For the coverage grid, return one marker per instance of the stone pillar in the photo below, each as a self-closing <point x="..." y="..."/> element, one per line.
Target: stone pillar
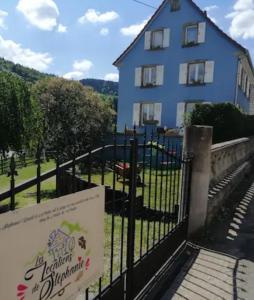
<point x="198" y="141"/>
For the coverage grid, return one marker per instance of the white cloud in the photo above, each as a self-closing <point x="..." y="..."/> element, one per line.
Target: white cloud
<point x="24" y="56"/>
<point x="93" y="16"/>
<point x="111" y="77"/>
<point x="3" y="15"/>
<point x="40" y="13"/>
<point x="75" y="75"/>
<point x="211" y="7"/>
<point x="133" y="30"/>
<point x="242" y="16"/>
<point x="82" y="65"/>
<point x="244" y="5"/>
<point x="80" y="69"/>
<point x="104" y="31"/>
<point x="61" y="28"/>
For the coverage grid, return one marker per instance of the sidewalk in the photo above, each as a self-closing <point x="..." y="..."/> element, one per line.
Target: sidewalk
<point x="223" y="267"/>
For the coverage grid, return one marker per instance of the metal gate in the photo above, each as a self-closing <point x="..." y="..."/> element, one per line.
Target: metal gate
<point x="147" y="180"/>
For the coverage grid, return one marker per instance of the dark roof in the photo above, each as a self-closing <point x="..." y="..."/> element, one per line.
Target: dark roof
<point x="204" y="14"/>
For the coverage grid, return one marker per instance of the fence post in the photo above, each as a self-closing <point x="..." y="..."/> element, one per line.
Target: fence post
<point x="198" y="141"/>
<point x="38" y="163"/>
<point x="131" y="219"/>
<point x="58" y="174"/>
<point x="2" y="165"/>
<point x="12" y="174"/>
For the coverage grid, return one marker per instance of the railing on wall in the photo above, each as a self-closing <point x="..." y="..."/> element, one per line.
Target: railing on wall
<point x="147" y="182"/>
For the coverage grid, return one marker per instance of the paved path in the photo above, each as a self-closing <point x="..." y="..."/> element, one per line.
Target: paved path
<point x="223" y="267"/>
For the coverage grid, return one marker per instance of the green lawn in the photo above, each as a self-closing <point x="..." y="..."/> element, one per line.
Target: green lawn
<point x="28" y="197"/>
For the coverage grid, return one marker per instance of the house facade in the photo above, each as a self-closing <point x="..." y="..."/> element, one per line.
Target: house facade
<point x="181" y="58"/>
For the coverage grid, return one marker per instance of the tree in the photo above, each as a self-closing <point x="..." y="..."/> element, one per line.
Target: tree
<point x="15" y="112"/>
<point x="71" y="117"/>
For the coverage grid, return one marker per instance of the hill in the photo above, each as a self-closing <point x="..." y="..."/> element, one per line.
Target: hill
<point x="102" y="86"/>
<point x="28" y="74"/>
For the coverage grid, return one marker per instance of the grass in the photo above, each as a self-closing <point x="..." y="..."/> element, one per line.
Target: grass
<point x="160" y="193"/>
<point x="28" y="197"/>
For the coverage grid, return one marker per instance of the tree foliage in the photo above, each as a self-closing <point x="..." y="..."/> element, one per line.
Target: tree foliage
<point x="71" y="117"/>
<point x="15" y="112"/>
<point x="227" y="121"/>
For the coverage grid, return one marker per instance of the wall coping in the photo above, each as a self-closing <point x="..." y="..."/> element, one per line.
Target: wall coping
<point x="228" y="144"/>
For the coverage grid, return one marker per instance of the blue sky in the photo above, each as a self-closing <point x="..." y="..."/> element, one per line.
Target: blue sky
<point x="81" y="38"/>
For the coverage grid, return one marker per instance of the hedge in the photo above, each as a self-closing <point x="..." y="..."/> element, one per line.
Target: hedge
<point x="227" y="120"/>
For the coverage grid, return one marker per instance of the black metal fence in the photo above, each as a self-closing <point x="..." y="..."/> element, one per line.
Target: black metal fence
<point x="147" y="181"/>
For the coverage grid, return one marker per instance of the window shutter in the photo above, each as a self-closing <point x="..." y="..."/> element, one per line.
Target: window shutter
<point x="166" y="38"/>
<point x="157" y="113"/>
<point x="243" y="81"/>
<point x="183" y="73"/>
<point x="248" y="89"/>
<point x="159" y="75"/>
<point x="136" y="114"/>
<point x="239" y="73"/>
<point x="251" y="100"/>
<point x="201" y="32"/>
<point x="138" y="76"/>
<point x="209" y="71"/>
<point x="148" y="36"/>
<point x="180" y="114"/>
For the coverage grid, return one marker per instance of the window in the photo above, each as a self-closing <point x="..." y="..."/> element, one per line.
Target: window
<point x="191" y="35"/>
<point x="194" y="34"/>
<point x="147" y="113"/>
<point x="149" y="76"/>
<point x="175" y="5"/>
<point x="157" y="39"/>
<point x="242" y="78"/>
<point x="196" y="73"/>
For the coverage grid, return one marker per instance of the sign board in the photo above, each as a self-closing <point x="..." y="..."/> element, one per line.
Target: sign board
<point x="52" y="250"/>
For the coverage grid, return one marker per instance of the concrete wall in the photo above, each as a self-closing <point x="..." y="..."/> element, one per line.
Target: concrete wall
<point x="226" y="157"/>
<point x="230" y="163"/>
<point x="216" y="171"/>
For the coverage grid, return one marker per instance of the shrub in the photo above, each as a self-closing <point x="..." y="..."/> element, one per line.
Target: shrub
<point x="227" y="121"/>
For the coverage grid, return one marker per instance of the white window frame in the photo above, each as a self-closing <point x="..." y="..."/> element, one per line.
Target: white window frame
<point x="149" y="39"/>
<point x="151" y="106"/>
<point x="196" y="72"/>
<point x="155" y="76"/>
<point x="186" y="43"/>
<point x="151" y="81"/>
<point x="138" y="113"/>
<point x="153" y="33"/>
<point x="200" y="31"/>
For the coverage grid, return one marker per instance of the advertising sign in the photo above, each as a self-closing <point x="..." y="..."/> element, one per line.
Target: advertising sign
<point x="52" y="250"/>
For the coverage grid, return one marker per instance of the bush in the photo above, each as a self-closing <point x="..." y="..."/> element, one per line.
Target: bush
<point x="227" y="121"/>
